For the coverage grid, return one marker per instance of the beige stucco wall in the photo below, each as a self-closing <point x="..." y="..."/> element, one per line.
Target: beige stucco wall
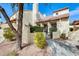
<point x="27" y="19"/>
<point x="55" y="35"/>
<point x="63" y="27"/>
<point x="61" y="12"/>
<point x="1" y="36"/>
<point x="5" y="25"/>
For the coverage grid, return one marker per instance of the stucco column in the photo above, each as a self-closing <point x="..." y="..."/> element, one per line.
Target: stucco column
<point x="59" y="26"/>
<point x="34" y="13"/>
<point x="63" y="27"/>
<point x="49" y="26"/>
<point x="41" y="25"/>
<point x="26" y="36"/>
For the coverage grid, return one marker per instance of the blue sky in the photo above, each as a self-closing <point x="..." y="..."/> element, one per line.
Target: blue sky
<point x="46" y="9"/>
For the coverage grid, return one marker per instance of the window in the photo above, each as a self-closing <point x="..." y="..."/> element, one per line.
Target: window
<point x="56" y="13"/>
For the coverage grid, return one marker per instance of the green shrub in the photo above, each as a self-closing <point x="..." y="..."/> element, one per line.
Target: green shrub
<point x="39" y="40"/>
<point x="36" y="29"/>
<point x="63" y="36"/>
<point x="71" y="29"/>
<point x="0" y="27"/>
<point x="8" y="34"/>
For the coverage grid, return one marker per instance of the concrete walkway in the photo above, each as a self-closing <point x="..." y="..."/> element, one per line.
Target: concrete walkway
<point x="60" y="48"/>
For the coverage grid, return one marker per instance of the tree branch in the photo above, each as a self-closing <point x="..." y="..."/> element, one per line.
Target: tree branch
<point x="7" y="19"/>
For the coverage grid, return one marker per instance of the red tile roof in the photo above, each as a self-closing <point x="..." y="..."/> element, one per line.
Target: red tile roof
<point x="75" y="22"/>
<point x="51" y="18"/>
<point x="61" y="9"/>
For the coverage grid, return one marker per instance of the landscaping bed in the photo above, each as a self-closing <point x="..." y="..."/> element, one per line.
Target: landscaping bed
<point x="31" y="50"/>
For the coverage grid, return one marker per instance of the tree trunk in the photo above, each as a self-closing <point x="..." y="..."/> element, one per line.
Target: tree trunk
<point x="7" y="19"/>
<point x="19" y="27"/>
<point x="18" y="32"/>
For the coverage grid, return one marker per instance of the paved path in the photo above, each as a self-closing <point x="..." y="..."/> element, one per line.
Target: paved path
<point x="62" y="49"/>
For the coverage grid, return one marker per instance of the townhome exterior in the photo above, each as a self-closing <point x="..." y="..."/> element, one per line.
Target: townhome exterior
<point x="58" y="20"/>
<point x="75" y="25"/>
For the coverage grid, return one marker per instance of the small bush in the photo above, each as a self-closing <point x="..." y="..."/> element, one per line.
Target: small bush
<point x="39" y="40"/>
<point x="63" y="36"/>
<point x="36" y="29"/>
<point x="71" y="29"/>
<point x="8" y="34"/>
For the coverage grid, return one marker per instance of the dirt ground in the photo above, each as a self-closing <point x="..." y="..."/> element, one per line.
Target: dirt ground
<point x="28" y="50"/>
